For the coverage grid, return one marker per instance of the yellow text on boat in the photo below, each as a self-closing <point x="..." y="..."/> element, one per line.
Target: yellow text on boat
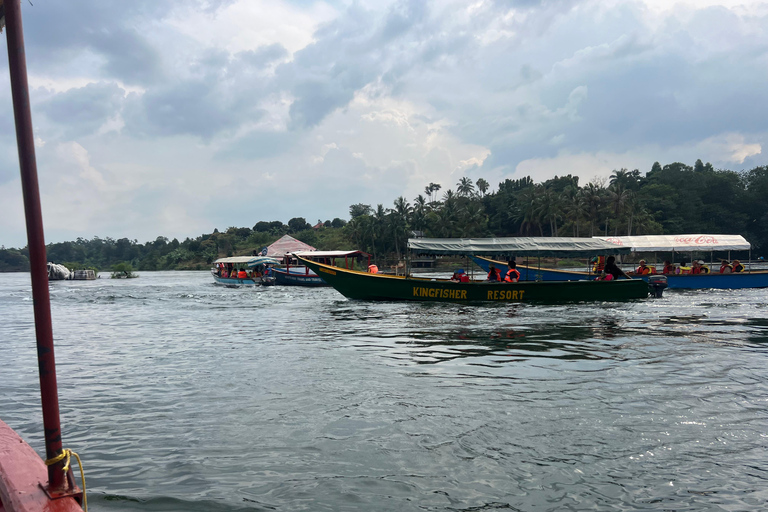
<point x="439" y="293"/>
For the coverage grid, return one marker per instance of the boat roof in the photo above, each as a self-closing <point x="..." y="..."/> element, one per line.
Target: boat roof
<point x="328" y="254"/>
<point x="286" y="245"/>
<point x="251" y="261"/>
<point x="516" y="246"/>
<point x="680" y="243"/>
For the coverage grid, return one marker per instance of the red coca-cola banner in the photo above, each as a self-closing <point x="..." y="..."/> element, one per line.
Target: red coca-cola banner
<point x="696" y="240"/>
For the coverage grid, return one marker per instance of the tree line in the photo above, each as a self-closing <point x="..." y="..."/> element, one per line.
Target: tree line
<point x="673" y="199"/>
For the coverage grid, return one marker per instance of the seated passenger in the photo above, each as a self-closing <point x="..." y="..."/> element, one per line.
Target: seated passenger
<point x="604" y="277"/>
<point x="612" y="269"/>
<point x="513" y="275"/>
<point x="493" y="274"/>
<point x="642" y="269"/>
<point x="456" y="278"/>
<point x="373" y="269"/>
<point x="242" y="274"/>
<point x="669" y="268"/>
<point x="703" y="268"/>
<point x="725" y="267"/>
<point x="737" y="266"/>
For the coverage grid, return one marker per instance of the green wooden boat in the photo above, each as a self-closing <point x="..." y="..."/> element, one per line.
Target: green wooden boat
<point x="364" y="286"/>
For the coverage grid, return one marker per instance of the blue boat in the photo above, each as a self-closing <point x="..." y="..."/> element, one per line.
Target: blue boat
<point x="295" y="274"/>
<point x="659" y="243"/>
<point x="254" y="266"/>
<point x="531" y="273"/>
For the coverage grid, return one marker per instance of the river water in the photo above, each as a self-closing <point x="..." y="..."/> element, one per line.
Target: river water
<point x="183" y="395"/>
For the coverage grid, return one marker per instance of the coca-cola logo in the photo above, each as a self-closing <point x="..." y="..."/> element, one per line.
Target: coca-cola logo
<point x="696" y="240"/>
<point x="614" y="241"/>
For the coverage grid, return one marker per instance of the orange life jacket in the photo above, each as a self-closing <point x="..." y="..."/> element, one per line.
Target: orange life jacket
<point x="373" y="269"/>
<point x="493" y="275"/>
<point x="242" y="275"/>
<point x="512" y="274"/>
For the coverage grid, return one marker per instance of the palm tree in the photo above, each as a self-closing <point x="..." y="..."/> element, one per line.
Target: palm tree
<point x="431" y="189"/>
<point x="574" y="208"/>
<point x="525" y="210"/>
<point x="419" y="214"/>
<point x="472" y="220"/>
<point x="482" y="185"/>
<point x="465" y="187"/>
<point x="400" y="217"/>
<point x="618" y="195"/>
<point x="548" y="207"/>
<point x="593" y="199"/>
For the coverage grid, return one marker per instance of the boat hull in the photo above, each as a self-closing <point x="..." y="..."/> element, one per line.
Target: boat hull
<point x="233" y="281"/>
<point x="363" y="286"/>
<point x="300" y="278"/>
<point x="758" y="279"/>
<point x="718" y="281"/>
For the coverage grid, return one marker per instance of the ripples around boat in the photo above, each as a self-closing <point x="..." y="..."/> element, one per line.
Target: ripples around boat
<point x="181" y="395"/>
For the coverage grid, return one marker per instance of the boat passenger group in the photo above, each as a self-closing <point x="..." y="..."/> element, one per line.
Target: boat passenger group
<point x="512" y="275"/>
<point x="228" y="270"/>
<point x="609" y="270"/>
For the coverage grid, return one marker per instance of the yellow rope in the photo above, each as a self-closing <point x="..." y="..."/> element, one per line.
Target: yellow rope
<point x="66" y="454"/>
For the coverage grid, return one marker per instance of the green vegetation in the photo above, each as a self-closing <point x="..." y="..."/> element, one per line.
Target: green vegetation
<point x="672" y="199"/>
<point x="122" y="271"/>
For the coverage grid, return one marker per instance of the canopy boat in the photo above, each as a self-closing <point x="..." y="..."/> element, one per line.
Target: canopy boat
<point x="27" y="483"/>
<point x="483" y="252"/>
<point x="366" y="286"/>
<point x="697" y="243"/>
<point x="300" y="275"/>
<point x="225" y="270"/>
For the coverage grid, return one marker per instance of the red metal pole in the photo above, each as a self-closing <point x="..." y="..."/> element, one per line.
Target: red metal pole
<point x="38" y="262"/>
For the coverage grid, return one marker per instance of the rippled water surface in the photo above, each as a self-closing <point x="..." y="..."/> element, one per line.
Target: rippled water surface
<point x="182" y="395"/>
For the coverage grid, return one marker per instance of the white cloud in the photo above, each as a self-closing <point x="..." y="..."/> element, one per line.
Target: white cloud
<point x="310" y="107"/>
<point x="729" y="147"/>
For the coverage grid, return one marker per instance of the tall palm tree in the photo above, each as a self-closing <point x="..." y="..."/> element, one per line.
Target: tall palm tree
<point x="419" y="213"/>
<point x="400" y="218"/>
<point x="593" y="199"/>
<point x="618" y="196"/>
<point x="574" y="208"/>
<point x="549" y="208"/>
<point x="525" y="210"/>
<point x="465" y="187"/>
<point x="482" y="185"/>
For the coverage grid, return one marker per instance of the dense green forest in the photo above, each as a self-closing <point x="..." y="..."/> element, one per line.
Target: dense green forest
<point x="673" y="199"/>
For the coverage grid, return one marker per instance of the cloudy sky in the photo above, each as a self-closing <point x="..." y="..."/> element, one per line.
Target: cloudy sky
<point x="177" y="117"/>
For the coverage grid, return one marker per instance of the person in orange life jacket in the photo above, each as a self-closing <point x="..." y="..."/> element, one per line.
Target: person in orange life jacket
<point x="493" y="274"/>
<point x="642" y="269"/>
<point x="725" y="267"/>
<point x="456" y="277"/>
<point x="513" y="275"/>
<point x="669" y="268"/>
<point x="737" y="266"/>
<point x="373" y="269"/>
<point x="242" y="274"/>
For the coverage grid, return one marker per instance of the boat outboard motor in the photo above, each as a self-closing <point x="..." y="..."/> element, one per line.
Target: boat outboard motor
<point x="656" y="285"/>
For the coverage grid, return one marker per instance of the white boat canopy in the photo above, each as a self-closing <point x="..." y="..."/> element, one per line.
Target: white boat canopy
<point x="515" y="246"/>
<point x="250" y="261"/>
<point x="680" y="243"/>
<point x="328" y="254"/>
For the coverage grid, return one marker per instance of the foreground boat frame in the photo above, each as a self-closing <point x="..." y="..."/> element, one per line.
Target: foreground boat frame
<point x="364" y="286"/>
